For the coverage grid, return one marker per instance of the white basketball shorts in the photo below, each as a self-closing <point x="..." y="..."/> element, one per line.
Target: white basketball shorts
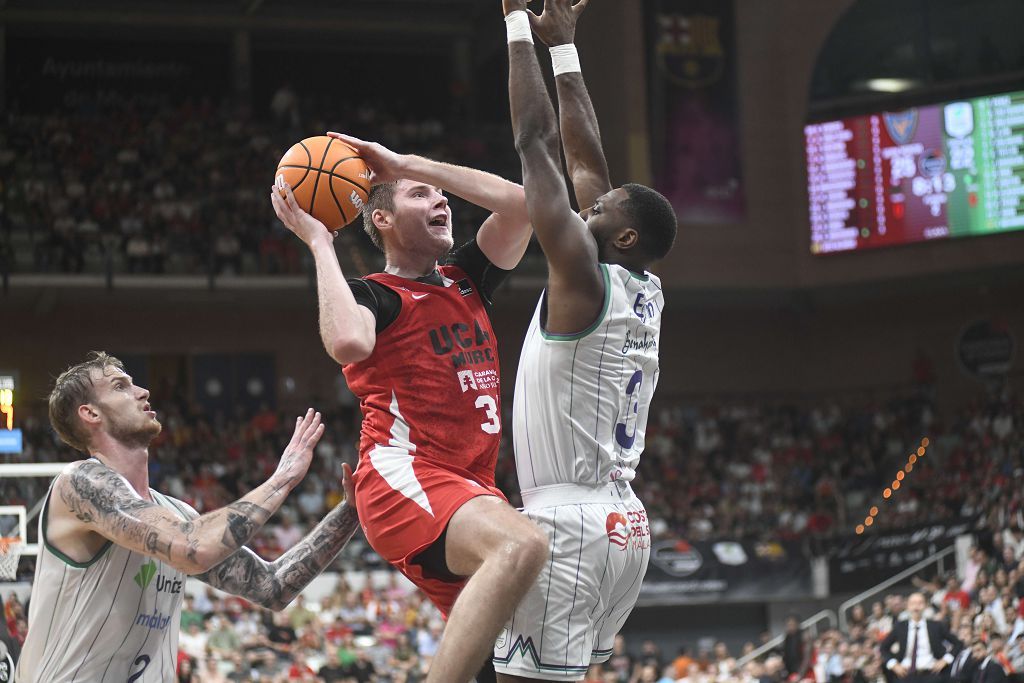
<point x="600" y="546"/>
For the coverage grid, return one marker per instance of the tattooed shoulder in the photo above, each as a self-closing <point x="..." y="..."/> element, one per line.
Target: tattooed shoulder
<point x="91" y="490"/>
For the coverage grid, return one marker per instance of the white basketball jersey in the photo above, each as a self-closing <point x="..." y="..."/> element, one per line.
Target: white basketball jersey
<point x="115" y="618"/>
<point x="581" y="401"/>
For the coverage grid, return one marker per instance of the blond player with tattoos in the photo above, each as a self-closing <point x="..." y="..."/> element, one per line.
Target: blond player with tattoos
<point x="106" y="599"/>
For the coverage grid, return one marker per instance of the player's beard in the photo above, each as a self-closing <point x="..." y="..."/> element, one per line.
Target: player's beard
<point x="441" y="246"/>
<point x="132" y="433"/>
<point x="446" y="247"/>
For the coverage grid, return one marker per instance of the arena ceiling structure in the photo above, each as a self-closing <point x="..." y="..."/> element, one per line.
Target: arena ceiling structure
<point x="381" y="17"/>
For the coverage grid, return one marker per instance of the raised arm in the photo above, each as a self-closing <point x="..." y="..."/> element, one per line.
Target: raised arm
<point x="575" y="290"/>
<point x="347" y="330"/>
<point x="503" y="237"/>
<point x="275" y="584"/>
<point x="581" y="136"/>
<point x="102" y="502"/>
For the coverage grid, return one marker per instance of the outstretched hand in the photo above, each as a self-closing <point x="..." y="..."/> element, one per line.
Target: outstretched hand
<point x="294" y="218"/>
<point x="348" y="485"/>
<point x="299" y="452"/>
<point x="385" y="166"/>
<point x="556" y="24"/>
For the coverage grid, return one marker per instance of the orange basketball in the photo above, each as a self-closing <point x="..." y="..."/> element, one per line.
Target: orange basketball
<point x="329" y="179"/>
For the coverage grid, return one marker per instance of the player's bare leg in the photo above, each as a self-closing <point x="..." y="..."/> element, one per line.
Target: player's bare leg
<point x="502" y="551"/>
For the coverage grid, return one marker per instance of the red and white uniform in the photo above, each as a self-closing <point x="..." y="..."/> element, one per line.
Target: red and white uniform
<point x="430" y="398"/>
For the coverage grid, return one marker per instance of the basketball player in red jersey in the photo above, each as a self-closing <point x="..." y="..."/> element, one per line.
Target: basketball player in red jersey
<point x="417" y="347"/>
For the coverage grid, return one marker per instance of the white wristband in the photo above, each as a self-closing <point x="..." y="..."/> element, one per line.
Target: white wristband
<point x="517" y="27"/>
<point x="565" y="59"/>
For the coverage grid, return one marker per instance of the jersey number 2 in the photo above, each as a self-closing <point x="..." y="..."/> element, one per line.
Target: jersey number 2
<point x="144" y="660"/>
<point x="493" y="424"/>
<point x="625" y="431"/>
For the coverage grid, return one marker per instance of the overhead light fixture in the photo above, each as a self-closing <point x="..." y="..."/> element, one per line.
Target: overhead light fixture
<point x="889" y="84"/>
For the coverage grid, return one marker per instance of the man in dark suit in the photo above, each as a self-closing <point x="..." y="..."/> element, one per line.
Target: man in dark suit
<point x="989" y="670"/>
<point x="965" y="664"/>
<point x="796" y="654"/>
<point x="918" y="650"/>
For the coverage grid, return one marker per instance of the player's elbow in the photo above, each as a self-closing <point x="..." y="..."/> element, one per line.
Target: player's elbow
<point x="350" y="349"/>
<point x="517" y="213"/>
<point x="517" y="198"/>
<point x="203" y="559"/>
<point x="536" y="140"/>
<point x="581" y="174"/>
<point x="276" y="602"/>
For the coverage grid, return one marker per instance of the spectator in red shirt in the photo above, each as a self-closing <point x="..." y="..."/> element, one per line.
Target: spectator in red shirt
<point x="956" y="596"/>
<point x="997" y="645"/>
<point x="266" y="420"/>
<point x="820" y="522"/>
<point x="337" y="631"/>
<point x="299" y="670"/>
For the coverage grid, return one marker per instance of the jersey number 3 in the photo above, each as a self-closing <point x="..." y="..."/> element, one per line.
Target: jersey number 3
<point x="493" y="424"/>
<point x="625" y="431"/>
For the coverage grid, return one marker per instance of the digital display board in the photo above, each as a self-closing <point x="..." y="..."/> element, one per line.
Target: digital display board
<point x="933" y="172"/>
<point x="10" y="436"/>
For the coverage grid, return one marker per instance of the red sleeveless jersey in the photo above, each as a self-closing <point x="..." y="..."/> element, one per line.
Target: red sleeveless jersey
<point x="431" y="386"/>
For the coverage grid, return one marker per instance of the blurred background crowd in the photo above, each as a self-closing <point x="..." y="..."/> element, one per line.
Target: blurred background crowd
<point x="727" y="471"/>
<point x="182" y="187"/>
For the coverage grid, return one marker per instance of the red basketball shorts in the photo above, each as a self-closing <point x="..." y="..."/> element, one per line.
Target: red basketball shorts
<point x="405" y="504"/>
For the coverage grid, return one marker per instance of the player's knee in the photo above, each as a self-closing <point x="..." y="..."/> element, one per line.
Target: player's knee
<point x="529" y="554"/>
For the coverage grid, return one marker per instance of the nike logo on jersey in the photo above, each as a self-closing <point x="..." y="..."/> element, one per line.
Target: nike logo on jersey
<point x="418" y="296"/>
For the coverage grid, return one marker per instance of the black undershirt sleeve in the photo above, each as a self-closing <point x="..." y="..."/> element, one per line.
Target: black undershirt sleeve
<point x="386" y="304"/>
<point x="484" y="274"/>
<point x="382" y="302"/>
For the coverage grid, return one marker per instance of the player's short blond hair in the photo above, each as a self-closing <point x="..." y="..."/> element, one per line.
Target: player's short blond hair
<point x="380" y="197"/>
<point x="73" y="388"/>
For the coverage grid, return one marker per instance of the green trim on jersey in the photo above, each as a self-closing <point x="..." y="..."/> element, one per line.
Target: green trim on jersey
<point x="642" y="277"/>
<point x="597" y="323"/>
<point x="61" y="556"/>
<point x="173" y="502"/>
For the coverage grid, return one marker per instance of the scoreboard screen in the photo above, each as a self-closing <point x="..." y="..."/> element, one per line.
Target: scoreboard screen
<point x="10" y="436"/>
<point x="943" y="170"/>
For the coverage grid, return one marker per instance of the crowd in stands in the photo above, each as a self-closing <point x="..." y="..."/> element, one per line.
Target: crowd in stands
<point x="735" y="471"/>
<point x="765" y="472"/>
<point x="709" y="471"/>
<point x="148" y="187"/>
<point x="388" y="634"/>
<point x="983" y="611"/>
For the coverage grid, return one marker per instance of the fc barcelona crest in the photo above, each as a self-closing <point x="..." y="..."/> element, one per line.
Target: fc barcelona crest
<point x="901" y="125"/>
<point x="689" y="49"/>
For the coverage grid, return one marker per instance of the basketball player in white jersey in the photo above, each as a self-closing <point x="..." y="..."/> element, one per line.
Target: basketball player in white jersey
<point x="106" y="598"/>
<point x="588" y="369"/>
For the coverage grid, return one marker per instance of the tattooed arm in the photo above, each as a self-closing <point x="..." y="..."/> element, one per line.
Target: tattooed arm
<point x="275" y="584"/>
<point x="103" y="502"/>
